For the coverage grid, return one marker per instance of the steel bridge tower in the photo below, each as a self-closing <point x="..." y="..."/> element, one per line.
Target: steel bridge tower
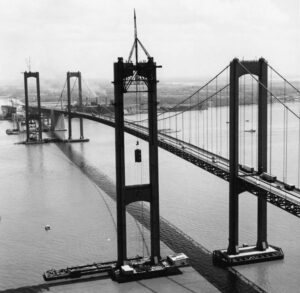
<point x="236" y="186"/>
<point x="78" y="76"/>
<point x="37" y="116"/>
<point x="123" y="73"/>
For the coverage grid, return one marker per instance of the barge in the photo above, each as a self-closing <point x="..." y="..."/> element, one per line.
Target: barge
<point x="134" y="269"/>
<point x="79" y="271"/>
<point x="145" y="269"/>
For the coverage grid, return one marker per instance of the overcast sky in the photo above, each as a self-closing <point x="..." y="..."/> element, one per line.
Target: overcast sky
<point x="190" y="38"/>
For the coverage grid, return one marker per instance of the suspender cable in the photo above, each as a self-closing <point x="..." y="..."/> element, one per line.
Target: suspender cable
<point x="227" y="116"/>
<point x="197" y="123"/>
<point x="271" y="122"/>
<point x="220" y="122"/>
<point x="252" y="121"/>
<point x="244" y="118"/>
<point x="211" y="126"/>
<point x="194" y="106"/>
<point x="241" y="124"/>
<point x="203" y="129"/>
<point x="284" y="137"/>
<point x="60" y="99"/>
<point x="193" y="94"/>
<point x="274" y="96"/>
<point x="286" y="81"/>
<point x="190" y="121"/>
<point x="217" y="145"/>
<point x="207" y="119"/>
<point x="298" y="141"/>
<point x="182" y="121"/>
<point x="287" y="143"/>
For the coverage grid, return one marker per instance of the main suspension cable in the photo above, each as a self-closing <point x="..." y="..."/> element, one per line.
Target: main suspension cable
<point x="288" y="108"/>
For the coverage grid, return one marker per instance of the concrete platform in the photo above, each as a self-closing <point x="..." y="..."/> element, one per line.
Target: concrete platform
<point x="247" y="255"/>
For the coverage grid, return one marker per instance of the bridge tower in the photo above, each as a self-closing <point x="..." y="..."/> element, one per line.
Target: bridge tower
<point x="78" y="76"/>
<point x="143" y="192"/>
<point x="125" y="74"/>
<point x="30" y="116"/>
<point x="234" y="254"/>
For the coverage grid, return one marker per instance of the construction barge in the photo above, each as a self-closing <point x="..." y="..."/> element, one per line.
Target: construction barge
<point x="79" y="271"/>
<point x="135" y="269"/>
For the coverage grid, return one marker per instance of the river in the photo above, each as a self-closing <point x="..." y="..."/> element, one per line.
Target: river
<point x="40" y="184"/>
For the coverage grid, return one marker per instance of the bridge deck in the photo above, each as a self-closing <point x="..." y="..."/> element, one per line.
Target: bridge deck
<point x="275" y="192"/>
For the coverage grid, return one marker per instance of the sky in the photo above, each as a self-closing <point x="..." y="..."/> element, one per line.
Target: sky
<point x="191" y="39"/>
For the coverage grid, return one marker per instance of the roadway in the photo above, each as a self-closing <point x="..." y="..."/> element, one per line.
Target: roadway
<point x="217" y="165"/>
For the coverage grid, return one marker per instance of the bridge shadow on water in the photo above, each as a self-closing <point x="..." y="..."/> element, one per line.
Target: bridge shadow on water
<point x="224" y="279"/>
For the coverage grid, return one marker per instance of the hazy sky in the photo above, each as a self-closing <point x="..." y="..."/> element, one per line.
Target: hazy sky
<point x="190" y="38"/>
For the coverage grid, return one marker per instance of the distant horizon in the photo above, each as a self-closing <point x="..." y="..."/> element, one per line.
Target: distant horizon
<point x="191" y="39"/>
<point x="185" y="80"/>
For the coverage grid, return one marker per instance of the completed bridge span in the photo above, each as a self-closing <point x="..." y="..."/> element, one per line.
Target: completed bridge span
<point x="275" y="192"/>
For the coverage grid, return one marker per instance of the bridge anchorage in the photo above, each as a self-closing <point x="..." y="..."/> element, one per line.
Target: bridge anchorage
<point x="262" y="251"/>
<point x="48" y="119"/>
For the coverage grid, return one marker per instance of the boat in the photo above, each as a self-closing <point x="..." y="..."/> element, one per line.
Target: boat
<point x="78" y="271"/>
<point x="16" y="126"/>
<point x="12" y="131"/>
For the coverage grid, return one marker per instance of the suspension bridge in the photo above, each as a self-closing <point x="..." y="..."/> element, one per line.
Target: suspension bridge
<point x="243" y="126"/>
<point x="202" y="136"/>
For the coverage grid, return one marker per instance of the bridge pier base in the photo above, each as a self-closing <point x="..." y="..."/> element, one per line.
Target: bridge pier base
<point x="247" y="255"/>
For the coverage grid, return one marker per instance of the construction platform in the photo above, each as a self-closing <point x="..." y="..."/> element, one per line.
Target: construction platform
<point x="145" y="269"/>
<point x="247" y="255"/>
<point x="79" y="271"/>
<point x="135" y="269"/>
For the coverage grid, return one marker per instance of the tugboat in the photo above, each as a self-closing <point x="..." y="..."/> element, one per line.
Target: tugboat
<point x="12" y="131"/>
